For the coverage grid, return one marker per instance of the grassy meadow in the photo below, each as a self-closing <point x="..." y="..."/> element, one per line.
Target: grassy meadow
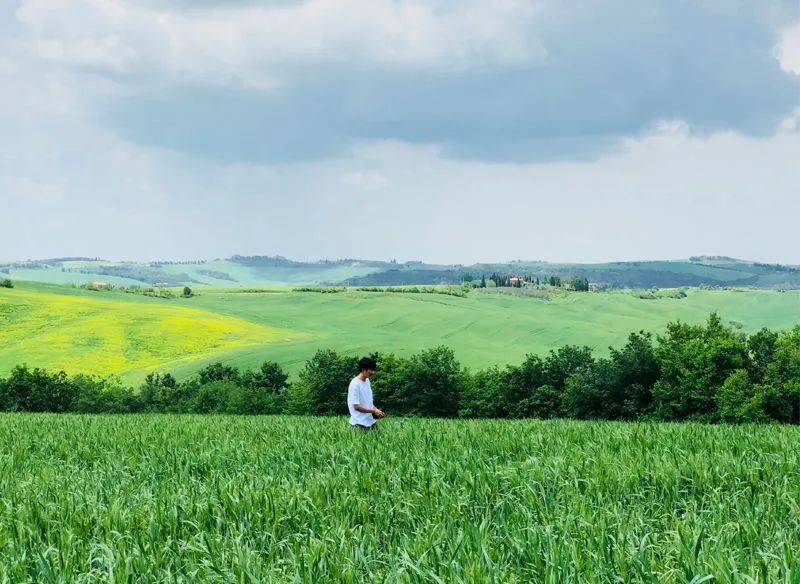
<point x="130" y="335"/>
<point x="257" y="499"/>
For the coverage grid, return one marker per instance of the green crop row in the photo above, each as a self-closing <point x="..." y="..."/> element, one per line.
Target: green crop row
<point x="282" y="499"/>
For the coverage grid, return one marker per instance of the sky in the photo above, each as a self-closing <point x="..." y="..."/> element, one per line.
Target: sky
<point x="450" y="131"/>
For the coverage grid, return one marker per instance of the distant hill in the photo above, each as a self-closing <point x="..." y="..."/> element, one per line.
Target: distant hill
<point x="697" y="271"/>
<point x="244" y="271"/>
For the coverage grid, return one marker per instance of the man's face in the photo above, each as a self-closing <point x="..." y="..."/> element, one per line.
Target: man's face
<point x="368" y="373"/>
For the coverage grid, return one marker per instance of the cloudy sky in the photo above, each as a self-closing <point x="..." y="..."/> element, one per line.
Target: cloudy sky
<point x="440" y="130"/>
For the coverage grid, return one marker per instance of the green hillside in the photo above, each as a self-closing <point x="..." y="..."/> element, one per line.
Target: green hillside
<point x="129" y="334"/>
<point x="241" y="272"/>
<point x="699" y="271"/>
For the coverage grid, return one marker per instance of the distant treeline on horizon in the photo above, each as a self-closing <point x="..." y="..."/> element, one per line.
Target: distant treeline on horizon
<point x="696" y="271"/>
<point x="709" y="373"/>
<point x="280" y="260"/>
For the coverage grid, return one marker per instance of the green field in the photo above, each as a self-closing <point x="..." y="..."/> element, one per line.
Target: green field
<point x="130" y="335"/>
<point x="236" y="499"/>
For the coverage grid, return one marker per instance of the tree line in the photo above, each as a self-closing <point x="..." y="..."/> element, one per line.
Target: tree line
<point x="577" y="283"/>
<point x="707" y="372"/>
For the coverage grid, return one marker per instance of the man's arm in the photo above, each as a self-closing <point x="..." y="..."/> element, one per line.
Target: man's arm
<point x="374" y="411"/>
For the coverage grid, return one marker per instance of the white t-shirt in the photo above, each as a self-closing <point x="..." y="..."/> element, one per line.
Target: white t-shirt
<point x="360" y="393"/>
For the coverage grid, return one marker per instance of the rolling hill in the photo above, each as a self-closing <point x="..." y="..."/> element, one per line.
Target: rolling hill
<point x="249" y="271"/>
<point x="128" y="334"/>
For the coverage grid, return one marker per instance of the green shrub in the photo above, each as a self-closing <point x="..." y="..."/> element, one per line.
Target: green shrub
<point x="37" y="390"/>
<point x="218" y="372"/>
<point x="264" y="390"/>
<point x="430" y="384"/>
<point x="216" y="397"/>
<point x="322" y="385"/>
<point x="738" y="400"/>
<point x="695" y="361"/>
<point x="484" y="394"/>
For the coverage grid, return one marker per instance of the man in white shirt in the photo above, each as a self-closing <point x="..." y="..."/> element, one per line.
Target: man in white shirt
<point x="363" y="413"/>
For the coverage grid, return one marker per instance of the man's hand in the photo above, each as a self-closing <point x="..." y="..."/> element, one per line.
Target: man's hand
<point x="376" y="413"/>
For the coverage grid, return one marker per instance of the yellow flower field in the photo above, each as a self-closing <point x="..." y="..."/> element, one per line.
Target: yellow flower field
<point x="112" y="335"/>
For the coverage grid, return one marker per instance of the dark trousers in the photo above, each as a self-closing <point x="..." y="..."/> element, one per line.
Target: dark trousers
<point x="366" y="428"/>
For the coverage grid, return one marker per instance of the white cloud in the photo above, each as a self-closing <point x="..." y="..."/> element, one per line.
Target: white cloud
<point x="105" y="52"/>
<point x="31" y="192"/>
<point x="788" y="49"/>
<point x="251" y="44"/>
<point x="7" y="66"/>
<point x="792" y="122"/>
<point x="368" y="180"/>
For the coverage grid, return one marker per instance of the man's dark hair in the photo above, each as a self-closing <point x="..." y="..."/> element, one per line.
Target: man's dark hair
<point x="366" y="363"/>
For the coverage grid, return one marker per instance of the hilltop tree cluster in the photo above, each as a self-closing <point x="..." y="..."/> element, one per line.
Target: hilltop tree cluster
<point x="578" y="283"/>
<point x="708" y="372"/>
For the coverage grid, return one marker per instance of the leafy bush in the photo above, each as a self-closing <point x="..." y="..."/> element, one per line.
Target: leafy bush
<point x="761" y="349"/>
<point x="37" y="391"/>
<point x="264" y="390"/>
<point x="430" y="384"/>
<point x="387" y="379"/>
<point x="103" y="396"/>
<point x="218" y="372"/>
<point x="590" y="393"/>
<point x="322" y="387"/>
<point x="782" y="396"/>
<point x="216" y="397"/>
<point x="484" y="394"/>
<point x="739" y="400"/>
<point x="695" y="361"/>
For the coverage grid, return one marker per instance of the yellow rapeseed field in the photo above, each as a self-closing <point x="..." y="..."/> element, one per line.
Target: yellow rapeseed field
<point x="112" y="335"/>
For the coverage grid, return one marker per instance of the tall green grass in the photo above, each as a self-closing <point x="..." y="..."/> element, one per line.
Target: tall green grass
<point x="222" y="499"/>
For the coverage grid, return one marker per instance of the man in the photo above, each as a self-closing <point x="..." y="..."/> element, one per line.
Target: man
<point x="363" y="413"/>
